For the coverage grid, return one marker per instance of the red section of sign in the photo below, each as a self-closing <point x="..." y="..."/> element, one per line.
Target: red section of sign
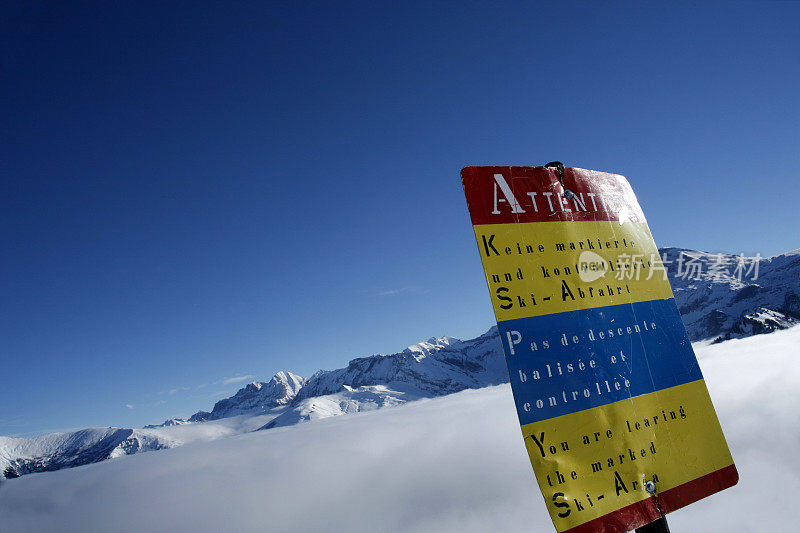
<point x="643" y="512"/>
<point x="502" y="195"/>
<point x="690" y="492"/>
<point x="622" y="520"/>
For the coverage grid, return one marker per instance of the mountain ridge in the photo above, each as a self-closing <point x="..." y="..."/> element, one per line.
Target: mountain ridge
<point x="717" y="302"/>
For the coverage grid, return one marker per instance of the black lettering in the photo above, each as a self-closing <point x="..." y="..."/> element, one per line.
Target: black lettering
<point x="565" y="291"/>
<point x="619" y="485"/>
<point x="488" y="244"/>
<point x="508" y="305"/>
<point x="561" y="504"/>
<point x="539" y="442"/>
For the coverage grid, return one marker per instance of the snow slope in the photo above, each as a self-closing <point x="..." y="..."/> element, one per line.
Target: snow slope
<point x="455" y="463"/>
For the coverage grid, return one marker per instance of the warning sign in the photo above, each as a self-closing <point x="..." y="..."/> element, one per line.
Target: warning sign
<point x="608" y="390"/>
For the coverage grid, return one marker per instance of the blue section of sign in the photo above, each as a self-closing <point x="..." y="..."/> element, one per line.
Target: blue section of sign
<point x="577" y="360"/>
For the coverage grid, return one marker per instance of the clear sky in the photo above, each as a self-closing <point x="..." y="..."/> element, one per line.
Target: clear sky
<point x="195" y="195"/>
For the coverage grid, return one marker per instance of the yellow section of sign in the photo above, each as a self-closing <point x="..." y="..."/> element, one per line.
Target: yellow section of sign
<point x="593" y="462"/>
<point x="539" y="268"/>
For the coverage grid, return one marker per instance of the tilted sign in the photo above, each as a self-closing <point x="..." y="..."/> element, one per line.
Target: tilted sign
<point x="607" y="387"/>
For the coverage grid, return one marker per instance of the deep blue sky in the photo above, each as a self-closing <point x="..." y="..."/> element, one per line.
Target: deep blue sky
<point x="198" y="192"/>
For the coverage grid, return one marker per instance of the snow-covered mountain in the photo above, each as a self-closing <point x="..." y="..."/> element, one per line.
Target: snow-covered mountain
<point x="92" y="445"/>
<point x="714" y="302"/>
<point x="723" y="296"/>
<point x="428" y="369"/>
<point x="250" y="408"/>
<point x="64" y="450"/>
<point x="258" y="397"/>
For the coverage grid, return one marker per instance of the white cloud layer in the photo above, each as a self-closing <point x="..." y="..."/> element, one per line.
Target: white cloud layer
<point x="455" y="463"/>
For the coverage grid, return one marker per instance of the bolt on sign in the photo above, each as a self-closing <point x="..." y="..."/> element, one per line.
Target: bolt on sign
<point x="607" y="388"/>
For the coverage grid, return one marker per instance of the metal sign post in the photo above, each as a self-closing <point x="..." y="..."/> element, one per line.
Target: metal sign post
<point x="660" y="525"/>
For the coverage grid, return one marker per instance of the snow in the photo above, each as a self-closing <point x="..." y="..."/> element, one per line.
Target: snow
<point x="436" y="367"/>
<point x="454" y="463"/>
<point x="64" y="450"/>
<point x="716" y="301"/>
<point x="349" y="400"/>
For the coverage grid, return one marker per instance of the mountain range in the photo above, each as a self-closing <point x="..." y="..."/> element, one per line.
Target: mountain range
<point x="720" y="296"/>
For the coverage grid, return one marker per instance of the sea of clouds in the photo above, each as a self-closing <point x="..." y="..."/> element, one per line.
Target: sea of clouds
<point x="455" y="463"/>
